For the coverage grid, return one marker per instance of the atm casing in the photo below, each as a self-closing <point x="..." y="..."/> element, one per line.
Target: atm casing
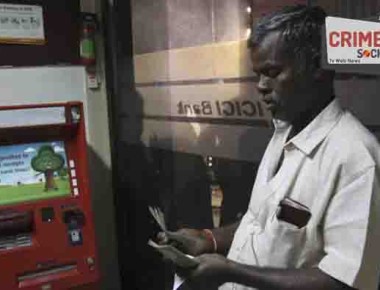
<point x="62" y="253"/>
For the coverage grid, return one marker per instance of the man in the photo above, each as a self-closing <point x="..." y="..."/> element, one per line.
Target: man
<point x="313" y="219"/>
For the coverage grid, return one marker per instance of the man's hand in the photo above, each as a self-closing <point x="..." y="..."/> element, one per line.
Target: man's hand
<point x="189" y="241"/>
<point x="212" y="271"/>
<point x="197" y="242"/>
<point x="215" y="270"/>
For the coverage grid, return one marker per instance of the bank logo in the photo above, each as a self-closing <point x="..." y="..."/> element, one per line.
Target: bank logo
<point x="226" y="109"/>
<point x="352" y="41"/>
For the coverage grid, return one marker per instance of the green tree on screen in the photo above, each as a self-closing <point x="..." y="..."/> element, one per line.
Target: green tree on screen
<point x="63" y="173"/>
<point x="48" y="162"/>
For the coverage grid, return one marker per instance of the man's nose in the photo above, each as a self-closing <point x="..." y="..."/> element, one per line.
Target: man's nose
<point x="264" y="86"/>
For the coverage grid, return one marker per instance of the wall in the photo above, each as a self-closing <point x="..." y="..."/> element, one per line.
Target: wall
<point x="189" y="63"/>
<point x="100" y="165"/>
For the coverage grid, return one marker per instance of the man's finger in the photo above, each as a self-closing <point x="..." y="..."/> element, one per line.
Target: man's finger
<point x="174" y="239"/>
<point x="162" y="238"/>
<point x="178" y="237"/>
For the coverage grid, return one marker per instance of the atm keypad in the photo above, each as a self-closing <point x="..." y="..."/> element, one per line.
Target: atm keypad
<point x="74" y="220"/>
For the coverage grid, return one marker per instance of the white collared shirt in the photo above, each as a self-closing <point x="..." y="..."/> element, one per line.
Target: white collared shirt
<point x="331" y="167"/>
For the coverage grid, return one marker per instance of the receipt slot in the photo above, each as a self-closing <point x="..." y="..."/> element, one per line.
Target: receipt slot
<point x="47" y="236"/>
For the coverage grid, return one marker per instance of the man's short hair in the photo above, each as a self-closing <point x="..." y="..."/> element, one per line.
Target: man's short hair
<point x="300" y="27"/>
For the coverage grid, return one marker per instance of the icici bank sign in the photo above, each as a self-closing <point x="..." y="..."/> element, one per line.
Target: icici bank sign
<point x="352" y="41"/>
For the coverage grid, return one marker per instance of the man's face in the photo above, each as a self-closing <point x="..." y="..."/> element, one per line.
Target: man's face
<point x="287" y="95"/>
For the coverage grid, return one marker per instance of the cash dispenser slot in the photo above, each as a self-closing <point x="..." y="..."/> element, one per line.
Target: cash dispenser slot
<point x="47" y="275"/>
<point x="15" y="229"/>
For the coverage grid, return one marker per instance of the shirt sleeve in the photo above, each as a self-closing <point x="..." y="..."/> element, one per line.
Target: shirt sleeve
<point x="351" y="233"/>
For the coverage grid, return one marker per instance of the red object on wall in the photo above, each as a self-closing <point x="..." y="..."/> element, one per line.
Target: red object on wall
<point x="50" y="243"/>
<point x="87" y="41"/>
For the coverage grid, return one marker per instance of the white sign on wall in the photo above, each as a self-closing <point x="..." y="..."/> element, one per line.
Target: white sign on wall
<point x="21" y="24"/>
<point x="351" y="41"/>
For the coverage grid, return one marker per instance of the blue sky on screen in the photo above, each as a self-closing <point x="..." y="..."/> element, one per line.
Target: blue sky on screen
<point x="15" y="162"/>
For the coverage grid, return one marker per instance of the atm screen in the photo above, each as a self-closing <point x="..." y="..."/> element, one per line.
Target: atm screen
<point x="33" y="171"/>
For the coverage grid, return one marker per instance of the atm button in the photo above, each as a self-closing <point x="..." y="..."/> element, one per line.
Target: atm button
<point x="47" y="214"/>
<point x="90" y="261"/>
<point x="75" y="237"/>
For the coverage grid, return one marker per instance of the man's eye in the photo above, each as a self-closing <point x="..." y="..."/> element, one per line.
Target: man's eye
<point x="272" y="73"/>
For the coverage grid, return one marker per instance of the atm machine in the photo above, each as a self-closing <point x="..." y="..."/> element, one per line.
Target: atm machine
<point x="47" y="238"/>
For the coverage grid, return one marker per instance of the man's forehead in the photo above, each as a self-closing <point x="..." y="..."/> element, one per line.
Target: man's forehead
<point x="269" y="51"/>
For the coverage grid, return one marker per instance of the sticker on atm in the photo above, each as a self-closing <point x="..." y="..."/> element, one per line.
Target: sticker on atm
<point x="33" y="171"/>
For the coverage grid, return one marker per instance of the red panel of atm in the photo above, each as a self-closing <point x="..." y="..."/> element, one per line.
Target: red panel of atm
<point x="47" y="236"/>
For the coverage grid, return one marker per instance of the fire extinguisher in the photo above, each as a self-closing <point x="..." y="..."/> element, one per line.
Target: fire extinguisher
<point x="87" y="40"/>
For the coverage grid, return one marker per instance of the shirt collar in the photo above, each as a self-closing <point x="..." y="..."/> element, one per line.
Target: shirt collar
<point x="318" y="129"/>
<point x="280" y="125"/>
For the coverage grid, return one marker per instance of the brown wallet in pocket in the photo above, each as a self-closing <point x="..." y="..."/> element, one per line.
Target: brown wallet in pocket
<point x="293" y="212"/>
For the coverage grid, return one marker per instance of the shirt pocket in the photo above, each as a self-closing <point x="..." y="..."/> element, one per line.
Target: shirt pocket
<point x="280" y="244"/>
